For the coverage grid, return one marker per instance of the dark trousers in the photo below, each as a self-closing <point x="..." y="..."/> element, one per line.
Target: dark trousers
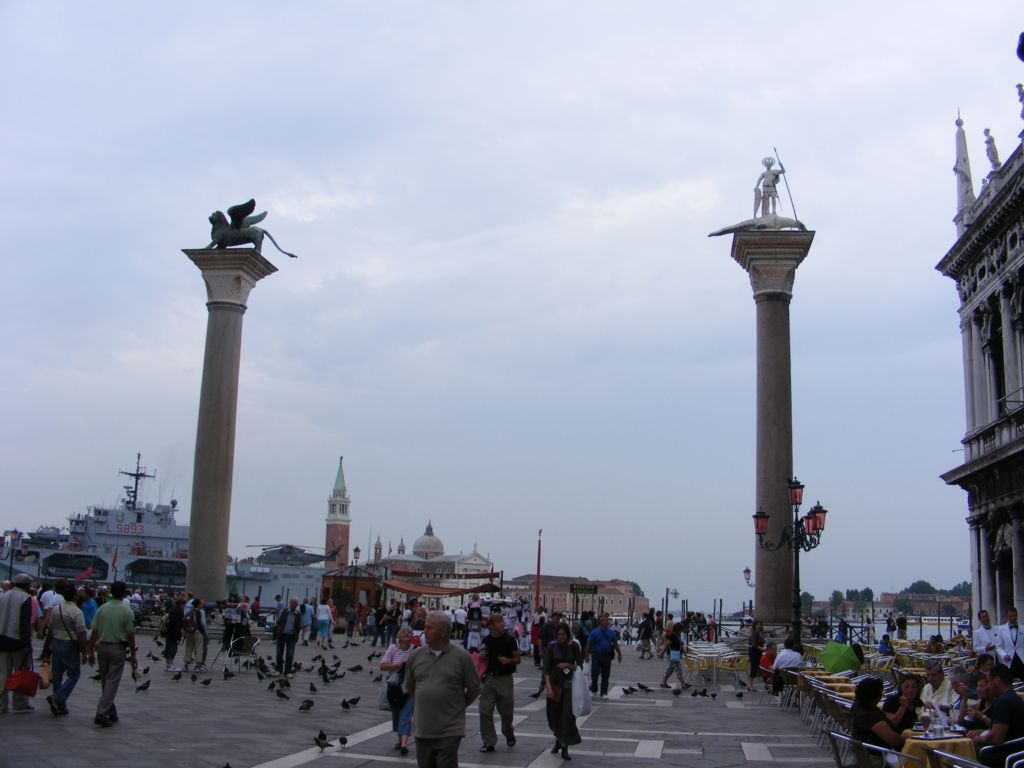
<point x="1017" y="668"/>
<point x="438" y="753"/>
<point x="600" y="664"/>
<point x="285" y="653"/>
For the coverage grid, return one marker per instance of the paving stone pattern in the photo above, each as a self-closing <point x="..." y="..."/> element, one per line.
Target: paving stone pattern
<point x="238" y="721"/>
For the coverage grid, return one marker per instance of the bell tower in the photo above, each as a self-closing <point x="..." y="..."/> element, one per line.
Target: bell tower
<point x="338" y="522"/>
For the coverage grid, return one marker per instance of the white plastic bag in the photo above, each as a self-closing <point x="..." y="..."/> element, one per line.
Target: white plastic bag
<point x="580" y="694"/>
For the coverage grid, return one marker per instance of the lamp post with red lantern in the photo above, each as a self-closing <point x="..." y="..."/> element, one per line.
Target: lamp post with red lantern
<point x="804" y="534"/>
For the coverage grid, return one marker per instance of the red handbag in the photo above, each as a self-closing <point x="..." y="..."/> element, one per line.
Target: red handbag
<point x="24" y="681"/>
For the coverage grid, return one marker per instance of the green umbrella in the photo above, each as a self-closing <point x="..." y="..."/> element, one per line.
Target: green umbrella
<point x="837" y="657"/>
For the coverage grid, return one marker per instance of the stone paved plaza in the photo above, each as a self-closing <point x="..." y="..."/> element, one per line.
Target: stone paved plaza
<point x="238" y="721"/>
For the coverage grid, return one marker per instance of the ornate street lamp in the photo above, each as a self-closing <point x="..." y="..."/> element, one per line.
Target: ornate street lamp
<point x="746" y="575"/>
<point x="804" y="534"/>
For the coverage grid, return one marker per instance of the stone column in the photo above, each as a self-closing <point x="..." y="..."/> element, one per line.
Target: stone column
<point x="1017" y="554"/>
<point x="972" y="525"/>
<point x="771" y="258"/>
<point x="230" y="275"/>
<point x="988" y="581"/>
<point x="968" y="352"/>
<point x="1011" y="365"/>
<point x="979" y="369"/>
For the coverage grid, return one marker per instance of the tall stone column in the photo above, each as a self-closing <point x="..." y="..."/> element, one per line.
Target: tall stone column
<point x="972" y="526"/>
<point x="979" y="368"/>
<point x="1011" y="365"/>
<point x="771" y="258"/>
<point x="230" y="275"/>
<point x="988" y="583"/>
<point x="968" y="352"/>
<point x="1017" y="554"/>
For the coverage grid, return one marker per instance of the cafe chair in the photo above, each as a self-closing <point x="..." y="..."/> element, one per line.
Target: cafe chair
<point x="947" y="760"/>
<point x="1016" y="745"/>
<point x="850" y="753"/>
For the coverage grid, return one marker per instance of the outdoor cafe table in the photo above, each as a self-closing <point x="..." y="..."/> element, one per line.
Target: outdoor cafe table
<point x="918" y="746"/>
<point x="841" y="687"/>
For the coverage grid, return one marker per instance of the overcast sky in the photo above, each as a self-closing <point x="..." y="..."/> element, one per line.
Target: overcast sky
<point x="506" y="314"/>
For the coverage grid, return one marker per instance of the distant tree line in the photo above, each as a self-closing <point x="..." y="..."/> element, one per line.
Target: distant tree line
<point x="862" y="597"/>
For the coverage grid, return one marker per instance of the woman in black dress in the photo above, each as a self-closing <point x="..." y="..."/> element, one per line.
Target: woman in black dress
<point x="562" y="657"/>
<point x="901" y="707"/>
<point x="755" y="649"/>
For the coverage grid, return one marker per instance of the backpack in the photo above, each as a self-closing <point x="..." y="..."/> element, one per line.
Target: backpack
<point x="163" y="624"/>
<point x="190" y="621"/>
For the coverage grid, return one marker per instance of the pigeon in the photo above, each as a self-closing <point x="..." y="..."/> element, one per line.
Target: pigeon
<point x="349" y="703"/>
<point x="373" y="655"/>
<point x="342" y="741"/>
<point x="703" y="692"/>
<point x="318" y="657"/>
<point x="149" y="655"/>
<point x="311" y="667"/>
<point x="207" y="682"/>
<point x="643" y="687"/>
<point x="260" y="676"/>
<point x="628" y="691"/>
<point x="739" y="695"/>
<point x="338" y="676"/>
<point x="143" y="686"/>
<point x="312" y="688"/>
<point x="306" y="705"/>
<point x="356" y="668"/>
<point x="145" y="670"/>
<point x="194" y="677"/>
<point x="321" y="741"/>
<point x="714" y="695"/>
<point x="281" y="694"/>
<point x="676" y="691"/>
<point x="335" y="657"/>
<point x="157" y="641"/>
<point x="536" y="695"/>
<point x="228" y="674"/>
<point x="694" y="694"/>
<point x="177" y="677"/>
<point x="378" y="678"/>
<point x="283" y="683"/>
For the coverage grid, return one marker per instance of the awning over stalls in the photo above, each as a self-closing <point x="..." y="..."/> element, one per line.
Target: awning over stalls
<point x="429" y="590"/>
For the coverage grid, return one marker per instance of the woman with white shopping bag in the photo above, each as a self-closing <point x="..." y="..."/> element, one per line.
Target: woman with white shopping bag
<point x="562" y="661"/>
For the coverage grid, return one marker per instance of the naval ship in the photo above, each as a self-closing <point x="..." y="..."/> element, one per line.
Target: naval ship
<point x="144" y="546"/>
<point x="138" y="544"/>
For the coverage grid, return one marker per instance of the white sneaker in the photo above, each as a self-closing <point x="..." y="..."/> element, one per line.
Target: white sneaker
<point x="172" y="669"/>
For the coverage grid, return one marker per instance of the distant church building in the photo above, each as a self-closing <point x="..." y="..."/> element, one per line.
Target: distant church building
<point x="987" y="265"/>
<point x="338" y="523"/>
<point x="429" y="565"/>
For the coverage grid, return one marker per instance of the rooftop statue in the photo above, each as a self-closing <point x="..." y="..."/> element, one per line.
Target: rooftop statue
<point x="1020" y="98"/>
<point x="241" y="229"/>
<point x="766" y="200"/>
<point x="991" y="151"/>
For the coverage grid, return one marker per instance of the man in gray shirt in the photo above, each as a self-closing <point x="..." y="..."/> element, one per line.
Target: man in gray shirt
<point x="443" y="681"/>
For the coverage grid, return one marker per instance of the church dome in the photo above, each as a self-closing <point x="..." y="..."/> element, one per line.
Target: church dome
<point x="428" y="545"/>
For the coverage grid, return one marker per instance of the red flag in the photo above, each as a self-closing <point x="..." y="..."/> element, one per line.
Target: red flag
<point x="85" y="574"/>
<point x="113" y="562"/>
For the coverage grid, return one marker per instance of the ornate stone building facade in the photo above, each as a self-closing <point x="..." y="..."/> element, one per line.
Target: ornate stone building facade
<point x="987" y="265"/>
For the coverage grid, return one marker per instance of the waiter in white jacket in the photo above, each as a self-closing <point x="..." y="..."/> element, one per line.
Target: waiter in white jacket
<point x="1012" y="644"/>
<point x="986" y="637"/>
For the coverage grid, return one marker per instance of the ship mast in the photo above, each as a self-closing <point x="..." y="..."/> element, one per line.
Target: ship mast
<point x="132" y="492"/>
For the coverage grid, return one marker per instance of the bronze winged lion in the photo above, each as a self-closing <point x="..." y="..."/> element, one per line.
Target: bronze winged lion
<point x="240" y="230"/>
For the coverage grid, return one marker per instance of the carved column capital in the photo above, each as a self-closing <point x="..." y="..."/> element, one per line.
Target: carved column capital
<point x="771" y="258"/>
<point x="230" y="273"/>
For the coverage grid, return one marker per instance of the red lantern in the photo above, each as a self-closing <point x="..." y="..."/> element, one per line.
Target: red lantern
<point x="760" y="522"/>
<point x="819" y="513"/>
<point x="796" y="492"/>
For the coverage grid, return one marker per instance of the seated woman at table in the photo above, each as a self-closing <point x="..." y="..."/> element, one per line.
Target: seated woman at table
<point x="870" y="725"/>
<point x="974" y="715"/>
<point x="885" y="646"/>
<point x="900" y="708"/>
<point x="935" y="644"/>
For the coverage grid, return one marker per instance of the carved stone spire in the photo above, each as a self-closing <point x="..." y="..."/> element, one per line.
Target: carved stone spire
<point x="964" y="184"/>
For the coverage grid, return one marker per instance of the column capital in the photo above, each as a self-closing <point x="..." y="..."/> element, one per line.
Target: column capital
<point x="771" y="257"/>
<point x="230" y="273"/>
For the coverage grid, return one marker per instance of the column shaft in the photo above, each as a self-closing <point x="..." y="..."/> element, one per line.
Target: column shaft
<point x="979" y="369"/>
<point x="968" y="353"/>
<point x="774" y="463"/>
<point x="1011" y="365"/>
<point x="988" y="585"/>
<point x="975" y="570"/>
<point x="1017" y="553"/>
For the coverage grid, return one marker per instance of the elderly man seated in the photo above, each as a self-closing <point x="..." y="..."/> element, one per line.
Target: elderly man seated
<point x="938" y="694"/>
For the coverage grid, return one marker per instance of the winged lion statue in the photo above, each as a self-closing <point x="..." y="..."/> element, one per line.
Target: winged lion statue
<point x="241" y="229"/>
